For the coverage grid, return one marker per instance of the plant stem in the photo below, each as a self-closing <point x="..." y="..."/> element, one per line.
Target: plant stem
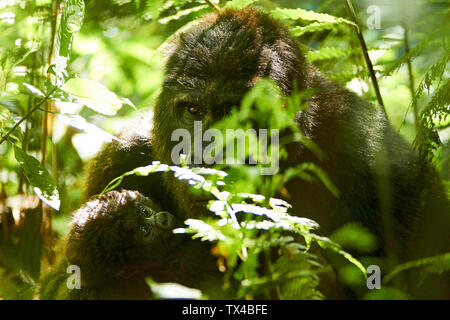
<point x="45" y="118"/>
<point x="27" y="115"/>
<point x="214" y="6"/>
<point x="410" y="74"/>
<point x="366" y="55"/>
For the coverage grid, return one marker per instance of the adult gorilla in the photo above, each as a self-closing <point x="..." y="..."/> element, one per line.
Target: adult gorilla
<point x="382" y="182"/>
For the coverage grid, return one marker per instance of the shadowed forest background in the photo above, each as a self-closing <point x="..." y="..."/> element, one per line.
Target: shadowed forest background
<point x="71" y="79"/>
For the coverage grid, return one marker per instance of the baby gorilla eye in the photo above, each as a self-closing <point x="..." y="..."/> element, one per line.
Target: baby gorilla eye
<point x="145" y="229"/>
<point x="144" y="211"/>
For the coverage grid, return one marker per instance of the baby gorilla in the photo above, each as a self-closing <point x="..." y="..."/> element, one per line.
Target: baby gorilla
<point x="116" y="240"/>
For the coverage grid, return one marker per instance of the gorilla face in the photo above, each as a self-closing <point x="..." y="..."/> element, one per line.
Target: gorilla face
<point x="117" y="231"/>
<point x="210" y="70"/>
<point x="153" y="226"/>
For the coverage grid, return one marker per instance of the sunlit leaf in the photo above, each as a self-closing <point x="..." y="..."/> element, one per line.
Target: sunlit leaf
<point x="71" y="21"/>
<point x="156" y="166"/>
<point x="253" y="197"/>
<point x="182" y="13"/>
<point x="330" y="53"/>
<point x="154" y="8"/>
<point x="312" y="27"/>
<point x="5" y="117"/>
<point x="80" y="123"/>
<point x="34" y="90"/>
<point x="296" y="14"/>
<point x="239" y="4"/>
<point x="173" y="291"/>
<point x="39" y="178"/>
<point x="94" y="95"/>
<point x="201" y="230"/>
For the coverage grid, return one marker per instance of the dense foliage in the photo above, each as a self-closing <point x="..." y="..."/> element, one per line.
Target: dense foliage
<point x="73" y="73"/>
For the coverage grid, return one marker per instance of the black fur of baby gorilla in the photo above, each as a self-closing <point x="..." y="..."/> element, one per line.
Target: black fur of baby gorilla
<point x="382" y="182"/>
<point x="116" y="240"/>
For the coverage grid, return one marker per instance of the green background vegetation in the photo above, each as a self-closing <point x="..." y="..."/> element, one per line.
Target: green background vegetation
<point x="120" y="44"/>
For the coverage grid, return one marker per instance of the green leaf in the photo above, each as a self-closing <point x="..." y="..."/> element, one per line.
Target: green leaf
<point x="80" y="123"/>
<point x="355" y="236"/>
<point x="326" y="243"/>
<point x="154" y="8"/>
<point x="71" y="21"/>
<point x="94" y="95"/>
<point x="11" y="57"/>
<point x="7" y="122"/>
<point x="329" y="53"/>
<point x="39" y="178"/>
<point x="239" y="4"/>
<point x="436" y="264"/>
<point x="202" y="230"/>
<point x="182" y="13"/>
<point x="156" y="166"/>
<point x="5" y="117"/>
<point x="33" y="90"/>
<point x="306" y="15"/>
<point x="298" y="31"/>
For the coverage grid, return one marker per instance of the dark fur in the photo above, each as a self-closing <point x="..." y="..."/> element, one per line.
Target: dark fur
<point x="103" y="241"/>
<point x="114" y="260"/>
<point x="133" y="149"/>
<point x="382" y="182"/>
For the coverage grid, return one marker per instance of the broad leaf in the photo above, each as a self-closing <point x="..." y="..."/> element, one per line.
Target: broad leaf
<point x="71" y="22"/>
<point x="94" y="95"/>
<point x="80" y="123"/>
<point x="39" y="178"/>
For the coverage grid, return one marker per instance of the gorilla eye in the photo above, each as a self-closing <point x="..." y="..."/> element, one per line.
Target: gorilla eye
<point x="193" y="110"/>
<point x="145" y="229"/>
<point x="143" y="211"/>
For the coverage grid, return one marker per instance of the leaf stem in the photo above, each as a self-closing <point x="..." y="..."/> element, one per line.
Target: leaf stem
<point x="27" y="115"/>
<point x="366" y="55"/>
<point x="410" y="74"/>
<point x="214" y="6"/>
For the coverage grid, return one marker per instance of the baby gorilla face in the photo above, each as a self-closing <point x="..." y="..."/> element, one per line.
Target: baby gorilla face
<point x="119" y="231"/>
<point x="154" y="226"/>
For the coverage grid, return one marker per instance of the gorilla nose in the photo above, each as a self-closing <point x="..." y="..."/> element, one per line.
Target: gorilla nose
<point x="165" y="220"/>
